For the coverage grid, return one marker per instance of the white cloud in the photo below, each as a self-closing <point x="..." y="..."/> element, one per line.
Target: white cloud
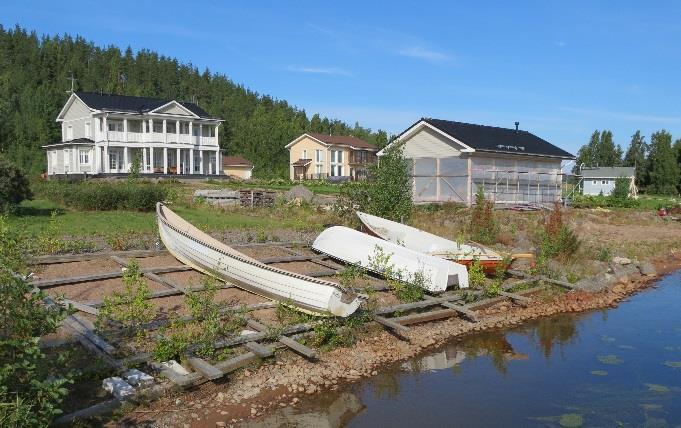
<point x="318" y="70"/>
<point x="419" y="52"/>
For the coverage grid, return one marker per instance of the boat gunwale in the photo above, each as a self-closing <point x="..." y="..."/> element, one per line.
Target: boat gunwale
<point x="161" y="216"/>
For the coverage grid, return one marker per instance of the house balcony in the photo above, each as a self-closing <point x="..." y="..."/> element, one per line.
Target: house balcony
<point x="155" y="137"/>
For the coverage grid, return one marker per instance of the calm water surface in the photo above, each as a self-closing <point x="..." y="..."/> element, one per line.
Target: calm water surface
<point x="617" y="367"/>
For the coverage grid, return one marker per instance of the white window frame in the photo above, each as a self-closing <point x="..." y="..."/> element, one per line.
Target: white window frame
<point x="84" y="154"/>
<point x="595" y="182"/>
<point x="87" y="129"/>
<point x="115" y="125"/>
<point x="113" y="156"/>
<point x="336" y="163"/>
<point x="304" y="154"/>
<point x="69" y="132"/>
<point x="604" y="181"/>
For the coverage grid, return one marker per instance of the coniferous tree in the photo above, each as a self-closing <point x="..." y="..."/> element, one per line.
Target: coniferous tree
<point x="663" y="170"/>
<point x="636" y="156"/>
<point x="34" y="74"/>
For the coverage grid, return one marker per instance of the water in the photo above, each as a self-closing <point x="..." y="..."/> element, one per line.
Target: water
<point x="616" y="367"/>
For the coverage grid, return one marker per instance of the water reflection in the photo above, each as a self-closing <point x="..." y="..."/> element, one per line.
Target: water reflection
<point x="332" y="414"/>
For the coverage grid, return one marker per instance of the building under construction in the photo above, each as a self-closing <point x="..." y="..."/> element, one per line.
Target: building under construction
<point x="452" y="160"/>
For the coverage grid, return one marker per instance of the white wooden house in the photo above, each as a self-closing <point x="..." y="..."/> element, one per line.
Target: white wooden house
<point x="451" y="160"/>
<point x="601" y="180"/>
<point x="102" y="134"/>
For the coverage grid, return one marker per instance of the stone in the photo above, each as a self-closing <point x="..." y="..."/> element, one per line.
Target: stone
<point x="621" y="260"/>
<point x="118" y="387"/>
<point x="220" y="424"/>
<point x="299" y="192"/>
<point x="647" y="269"/>
<point x="138" y="378"/>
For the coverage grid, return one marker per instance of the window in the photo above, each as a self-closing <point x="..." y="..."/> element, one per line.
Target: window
<point x="319" y="169"/>
<point x="184" y="127"/>
<point x="158" y="127"/>
<point x="69" y="132"/>
<point x="336" y="163"/>
<point x="87" y="129"/>
<point x="115" y="125"/>
<point x="113" y="160"/>
<point x="604" y="182"/>
<point x="195" y="130"/>
<point x="170" y="127"/>
<point x="135" y="126"/>
<point x="84" y="156"/>
<point x="594" y="182"/>
<point x="197" y="163"/>
<point x="209" y="131"/>
<point x="319" y="156"/>
<point x="304" y="156"/>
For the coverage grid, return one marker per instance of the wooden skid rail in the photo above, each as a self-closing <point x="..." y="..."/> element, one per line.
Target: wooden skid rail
<point x="290" y="343"/>
<point x="98" y="277"/>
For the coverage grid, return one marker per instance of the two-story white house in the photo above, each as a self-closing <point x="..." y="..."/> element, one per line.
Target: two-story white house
<point x="102" y="134"/>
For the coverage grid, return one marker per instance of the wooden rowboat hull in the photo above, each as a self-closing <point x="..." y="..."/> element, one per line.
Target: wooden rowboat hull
<point x="206" y="254"/>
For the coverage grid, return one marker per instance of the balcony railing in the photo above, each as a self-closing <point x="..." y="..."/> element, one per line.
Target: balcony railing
<point x="154" y="137"/>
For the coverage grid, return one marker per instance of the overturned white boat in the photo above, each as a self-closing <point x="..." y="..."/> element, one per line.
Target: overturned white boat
<point x="360" y="249"/>
<point x="212" y="257"/>
<point x="424" y="242"/>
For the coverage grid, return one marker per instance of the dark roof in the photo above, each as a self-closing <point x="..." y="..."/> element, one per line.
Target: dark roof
<point x="500" y="140"/>
<point x="127" y="103"/>
<point x="76" y="142"/>
<point x="609" y="172"/>
<point x="235" y="161"/>
<point x="343" y="140"/>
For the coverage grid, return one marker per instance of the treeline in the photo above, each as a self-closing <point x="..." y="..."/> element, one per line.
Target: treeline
<point x="34" y="74"/>
<point x="658" y="163"/>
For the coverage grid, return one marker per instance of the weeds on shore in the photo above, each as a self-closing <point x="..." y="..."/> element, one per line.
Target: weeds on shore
<point x="407" y="287"/>
<point x="483" y="226"/>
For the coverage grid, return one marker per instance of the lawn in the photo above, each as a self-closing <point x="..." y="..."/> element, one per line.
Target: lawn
<point x="34" y="218"/>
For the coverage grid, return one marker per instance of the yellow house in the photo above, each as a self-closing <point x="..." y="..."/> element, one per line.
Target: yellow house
<point x="316" y="156"/>
<point x="236" y="166"/>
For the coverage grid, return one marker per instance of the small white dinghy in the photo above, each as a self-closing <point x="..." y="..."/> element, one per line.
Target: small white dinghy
<point x="424" y="242"/>
<point x="204" y="253"/>
<point x="360" y="249"/>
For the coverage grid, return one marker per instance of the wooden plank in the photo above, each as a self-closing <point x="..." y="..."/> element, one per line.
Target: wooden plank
<point x="458" y="308"/>
<point x="259" y="350"/>
<point x="98" y="277"/>
<point x="83" y="307"/>
<point x="121" y="261"/>
<point x="205" y="368"/>
<point x="317" y="274"/>
<point x="164" y="281"/>
<point x="563" y="284"/>
<point x="298" y="347"/>
<point x="426" y="316"/>
<point x="391" y="323"/>
<point x="287" y="341"/>
<point x="434" y="301"/>
<point x="522" y="300"/>
<point x="67" y="258"/>
<point x="237" y="362"/>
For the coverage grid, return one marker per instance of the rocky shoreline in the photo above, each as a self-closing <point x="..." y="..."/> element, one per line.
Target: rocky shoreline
<point x="254" y="392"/>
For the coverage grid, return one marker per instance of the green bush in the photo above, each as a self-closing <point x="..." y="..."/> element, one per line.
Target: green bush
<point x="14" y="187"/>
<point x="31" y="386"/>
<point x="483" y="226"/>
<point x="588" y="201"/>
<point x="104" y="196"/>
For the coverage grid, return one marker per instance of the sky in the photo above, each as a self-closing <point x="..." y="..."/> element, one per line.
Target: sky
<point x="562" y="69"/>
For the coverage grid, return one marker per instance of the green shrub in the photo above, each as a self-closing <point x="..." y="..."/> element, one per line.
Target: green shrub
<point x="588" y="201"/>
<point x="14" y="187"/>
<point x="104" y="196"/>
<point x="476" y="274"/>
<point x="483" y="226"/>
<point x="557" y="239"/>
<point x="31" y="386"/>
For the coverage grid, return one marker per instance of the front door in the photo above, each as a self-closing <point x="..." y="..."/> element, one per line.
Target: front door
<point x="114" y="160"/>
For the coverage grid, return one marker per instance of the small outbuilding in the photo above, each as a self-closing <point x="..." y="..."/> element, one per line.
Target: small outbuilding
<point x="237" y="166"/>
<point x="601" y="180"/>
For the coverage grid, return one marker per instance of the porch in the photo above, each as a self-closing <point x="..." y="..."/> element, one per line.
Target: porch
<point x="157" y="160"/>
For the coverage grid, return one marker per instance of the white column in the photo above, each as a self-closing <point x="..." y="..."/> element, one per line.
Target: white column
<point x="177" y="161"/>
<point x="150" y="129"/>
<point x="200" y="161"/>
<point x="177" y="131"/>
<point x="217" y="140"/>
<point x="125" y="130"/>
<point x="165" y="132"/>
<point x="144" y="159"/>
<point x="218" y="162"/>
<point x="125" y="160"/>
<point x="165" y="157"/>
<point x="106" y="132"/>
<point x="191" y="161"/>
<point x="106" y="157"/>
<point x="151" y="159"/>
<point x="200" y="133"/>
<point x="191" y="133"/>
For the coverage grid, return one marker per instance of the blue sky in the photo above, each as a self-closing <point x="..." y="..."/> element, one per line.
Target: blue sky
<point x="562" y="69"/>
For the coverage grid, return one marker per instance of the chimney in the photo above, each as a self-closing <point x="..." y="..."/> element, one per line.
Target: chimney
<point x="516" y="126"/>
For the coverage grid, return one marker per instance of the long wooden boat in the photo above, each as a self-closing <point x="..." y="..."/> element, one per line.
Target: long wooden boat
<point x="424" y="242"/>
<point x="204" y="253"/>
<point x="357" y="248"/>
